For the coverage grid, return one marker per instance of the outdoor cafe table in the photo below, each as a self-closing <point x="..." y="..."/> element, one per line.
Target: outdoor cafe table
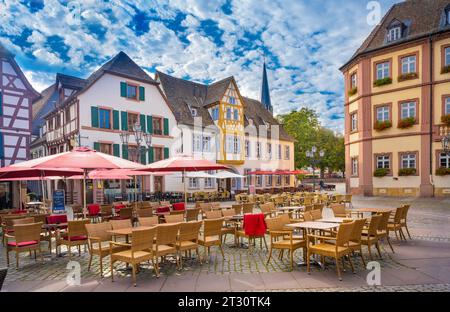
<point x="294" y="209"/>
<point x="333" y="220"/>
<point x="361" y="211"/>
<point x="52" y="227"/>
<point x="128" y="231"/>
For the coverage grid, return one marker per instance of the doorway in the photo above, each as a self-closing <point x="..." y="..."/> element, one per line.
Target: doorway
<point x="159" y="184"/>
<point x="5" y="195"/>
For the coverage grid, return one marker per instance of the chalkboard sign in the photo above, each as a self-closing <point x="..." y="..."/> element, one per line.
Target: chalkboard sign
<point x="58" y="202"/>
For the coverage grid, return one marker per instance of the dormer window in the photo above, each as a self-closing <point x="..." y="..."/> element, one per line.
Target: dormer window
<point x="395" y="33"/>
<point x="193" y="112"/>
<point x="447" y="15"/>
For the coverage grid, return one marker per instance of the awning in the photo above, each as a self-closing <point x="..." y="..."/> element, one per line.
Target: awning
<point x="227" y="175"/>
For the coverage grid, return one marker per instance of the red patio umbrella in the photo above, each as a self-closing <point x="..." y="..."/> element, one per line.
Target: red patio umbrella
<point x="299" y="171"/>
<point x="183" y="164"/>
<point x="261" y="172"/>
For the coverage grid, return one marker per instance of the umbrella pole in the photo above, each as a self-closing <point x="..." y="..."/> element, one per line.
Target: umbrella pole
<point x="20" y="195"/>
<point x="84" y="193"/>
<point x="184" y="187"/>
<point x="135" y="194"/>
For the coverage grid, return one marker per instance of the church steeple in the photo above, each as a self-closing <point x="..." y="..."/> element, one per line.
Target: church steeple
<point x="265" y="94"/>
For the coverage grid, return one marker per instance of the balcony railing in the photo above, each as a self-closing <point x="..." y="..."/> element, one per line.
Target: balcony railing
<point x="443" y="130"/>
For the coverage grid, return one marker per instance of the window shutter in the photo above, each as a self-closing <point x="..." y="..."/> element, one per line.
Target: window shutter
<point x="97" y="146"/>
<point x="151" y="157"/>
<point x="142" y="121"/>
<point x="141" y="94"/>
<point x="124" y="151"/>
<point x="124" y="120"/>
<point x="143" y="157"/>
<point x="1" y="104"/>
<point x="116" y="150"/>
<point x="2" y="148"/>
<point x="166" y="126"/>
<point x="149" y="124"/>
<point x="94" y="116"/>
<point x="166" y="152"/>
<point x="123" y="89"/>
<point x="116" y="120"/>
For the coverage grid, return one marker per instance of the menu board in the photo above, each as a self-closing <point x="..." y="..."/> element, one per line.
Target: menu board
<point x="58" y="202"/>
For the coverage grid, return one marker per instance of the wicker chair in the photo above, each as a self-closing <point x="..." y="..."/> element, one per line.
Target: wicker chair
<point x="8" y="226"/>
<point x="316" y="214"/>
<point x="251" y="238"/>
<point x="339" y="210"/>
<point x="383" y="231"/>
<point x="27" y="238"/>
<point x="192" y="214"/>
<point x="248" y="208"/>
<point x="124" y="213"/>
<point x="145" y="212"/>
<point x="26" y="220"/>
<point x="212" y="235"/>
<point x="214" y="214"/>
<point x="77" y="212"/>
<point x="148" y="221"/>
<point x="140" y="250"/>
<point x="338" y="250"/>
<point x="237" y="209"/>
<point x="188" y="239"/>
<point x="369" y="235"/>
<point x="166" y="242"/>
<point x="177" y="218"/>
<point x="120" y="224"/>
<point x="267" y="209"/>
<point x="283" y="239"/>
<point x="106" y="212"/>
<point x="76" y="235"/>
<point x="396" y="224"/>
<point x="356" y="237"/>
<point x="404" y="217"/>
<point x="98" y="242"/>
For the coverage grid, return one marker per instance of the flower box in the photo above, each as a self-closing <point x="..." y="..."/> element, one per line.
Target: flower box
<point x="445" y="69"/>
<point x="406" y="123"/>
<point x="407" y="76"/>
<point x="353" y="91"/>
<point x="382" y="82"/>
<point x="382" y="125"/>
<point x="381" y="172"/>
<point x="446" y="119"/>
<point x="442" y="171"/>
<point x="403" y="172"/>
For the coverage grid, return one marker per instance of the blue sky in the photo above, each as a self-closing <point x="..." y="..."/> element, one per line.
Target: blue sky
<point x="304" y="42"/>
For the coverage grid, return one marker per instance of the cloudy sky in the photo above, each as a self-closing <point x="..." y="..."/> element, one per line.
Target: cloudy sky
<point x="304" y="42"/>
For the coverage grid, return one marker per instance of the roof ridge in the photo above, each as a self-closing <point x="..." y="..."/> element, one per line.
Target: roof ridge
<point x="182" y="79"/>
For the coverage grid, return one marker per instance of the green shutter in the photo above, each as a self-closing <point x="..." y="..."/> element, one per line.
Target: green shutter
<point x="149" y="124"/>
<point x="2" y="148"/>
<point x="166" y="152"/>
<point x="151" y="157"/>
<point x="94" y="116"/>
<point x="143" y="157"/>
<point x="116" y="120"/>
<point x="116" y="150"/>
<point x="124" y="120"/>
<point x="123" y="89"/>
<point x="142" y="118"/>
<point x="1" y="104"/>
<point x="166" y="126"/>
<point x="141" y="94"/>
<point x="97" y="146"/>
<point x="124" y="151"/>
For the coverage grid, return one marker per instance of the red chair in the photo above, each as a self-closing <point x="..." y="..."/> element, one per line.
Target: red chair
<point x="93" y="211"/>
<point x="163" y="209"/>
<point x="179" y="206"/>
<point x="254" y="226"/>
<point x="56" y="219"/>
<point x="118" y="207"/>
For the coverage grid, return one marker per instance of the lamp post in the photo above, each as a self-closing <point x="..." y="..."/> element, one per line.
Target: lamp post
<point x="446" y="144"/>
<point x="314" y="157"/>
<point x="143" y="142"/>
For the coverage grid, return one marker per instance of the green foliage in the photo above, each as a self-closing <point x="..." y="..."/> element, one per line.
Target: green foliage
<point x="382" y="125"/>
<point x="442" y="171"/>
<point x="353" y="91"/>
<point x="446" y="119"/>
<point x="407" y="76"/>
<point x="380" y="172"/>
<point x="406" y="122"/>
<point x="406" y="172"/>
<point x="445" y="69"/>
<point x="382" y="82"/>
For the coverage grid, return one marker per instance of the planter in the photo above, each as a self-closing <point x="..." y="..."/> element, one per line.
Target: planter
<point x="382" y="82"/>
<point x="446" y="119"/>
<point x="445" y="69"/>
<point x="382" y="125"/>
<point x="406" y="123"/>
<point x="404" y="172"/>
<point x="442" y="171"/>
<point x="407" y="76"/>
<point x="353" y="91"/>
<point x="381" y="172"/>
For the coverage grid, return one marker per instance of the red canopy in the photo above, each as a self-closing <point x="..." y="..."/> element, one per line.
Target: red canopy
<point x="18" y="172"/>
<point x="183" y="163"/>
<point x="260" y="172"/>
<point x="299" y="171"/>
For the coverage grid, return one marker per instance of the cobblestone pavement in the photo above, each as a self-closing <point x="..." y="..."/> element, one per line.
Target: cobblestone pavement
<point x="421" y="264"/>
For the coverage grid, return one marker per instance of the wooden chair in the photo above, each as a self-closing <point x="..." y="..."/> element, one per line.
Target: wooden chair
<point x="27" y="238"/>
<point x="404" y="218"/>
<point x="98" y="242"/>
<point x="76" y="235"/>
<point x="178" y="218"/>
<point x="145" y="212"/>
<point x="124" y="213"/>
<point x="396" y="224"/>
<point x="26" y="220"/>
<point x="192" y="214"/>
<point x="283" y="239"/>
<point x="383" y="231"/>
<point x="212" y="235"/>
<point x="120" y="224"/>
<point x="148" y="221"/>
<point x="166" y="243"/>
<point x="214" y="214"/>
<point x="140" y="250"/>
<point x="248" y="208"/>
<point x="339" y="210"/>
<point x="106" y="212"/>
<point x="188" y="239"/>
<point x="316" y="214"/>
<point x="369" y="235"/>
<point x="237" y="209"/>
<point x="338" y="250"/>
<point x="356" y="237"/>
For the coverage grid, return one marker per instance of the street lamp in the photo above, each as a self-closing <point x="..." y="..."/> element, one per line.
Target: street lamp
<point x="314" y="160"/>
<point x="446" y="144"/>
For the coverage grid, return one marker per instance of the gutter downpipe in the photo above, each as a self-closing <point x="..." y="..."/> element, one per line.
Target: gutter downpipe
<point x="430" y="41"/>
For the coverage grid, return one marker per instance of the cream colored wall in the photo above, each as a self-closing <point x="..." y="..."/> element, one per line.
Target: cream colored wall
<point x="439" y="90"/>
<point x="437" y="59"/>
<point x="351" y="71"/>
<point x="354" y="149"/>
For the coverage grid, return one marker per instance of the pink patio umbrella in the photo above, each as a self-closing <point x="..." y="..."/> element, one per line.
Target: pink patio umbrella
<point x="183" y="164"/>
<point x="261" y="172"/>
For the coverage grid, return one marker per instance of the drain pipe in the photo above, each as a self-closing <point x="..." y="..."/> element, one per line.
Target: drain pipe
<point x="430" y="42"/>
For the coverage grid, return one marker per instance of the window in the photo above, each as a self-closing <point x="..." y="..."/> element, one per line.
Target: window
<point x="58" y="121"/>
<point x="236" y="114"/>
<point x="258" y="180"/>
<point x="157" y="125"/>
<point x="353" y="122"/>
<point x="197" y="142"/>
<point x="209" y="183"/>
<point x="247" y="148"/>
<point x="447" y="106"/>
<point x="104" y="116"/>
<point x="132" y="119"/>
<point x="193" y="112"/>
<point x="67" y="114"/>
<point x="444" y="160"/>
<point x="158" y="153"/>
<point x="408" y="161"/>
<point x="279" y="151"/>
<point x="383" y="70"/>
<point x="247" y="177"/>
<point x="50" y="124"/>
<point x="447" y="15"/>
<point x="287" y="152"/>
<point x="215" y="113"/>
<point x="383" y="161"/>
<point x="269" y="180"/>
<point x="353" y="81"/>
<point x="383" y="113"/>
<point x="228" y="113"/>
<point x="408" y="110"/>
<point x="354" y="166"/>
<point x="206" y="144"/>
<point x="409" y="64"/>
<point x="232" y="100"/>
<point x="447" y="56"/>
<point x="278" y="180"/>
<point x="258" y="150"/>
<point x="106" y="148"/>
<point x="269" y="151"/>
<point x="131" y="91"/>
<point x="193" y="183"/>
<point x="236" y="145"/>
<point x="395" y="33"/>
<point x="287" y="180"/>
